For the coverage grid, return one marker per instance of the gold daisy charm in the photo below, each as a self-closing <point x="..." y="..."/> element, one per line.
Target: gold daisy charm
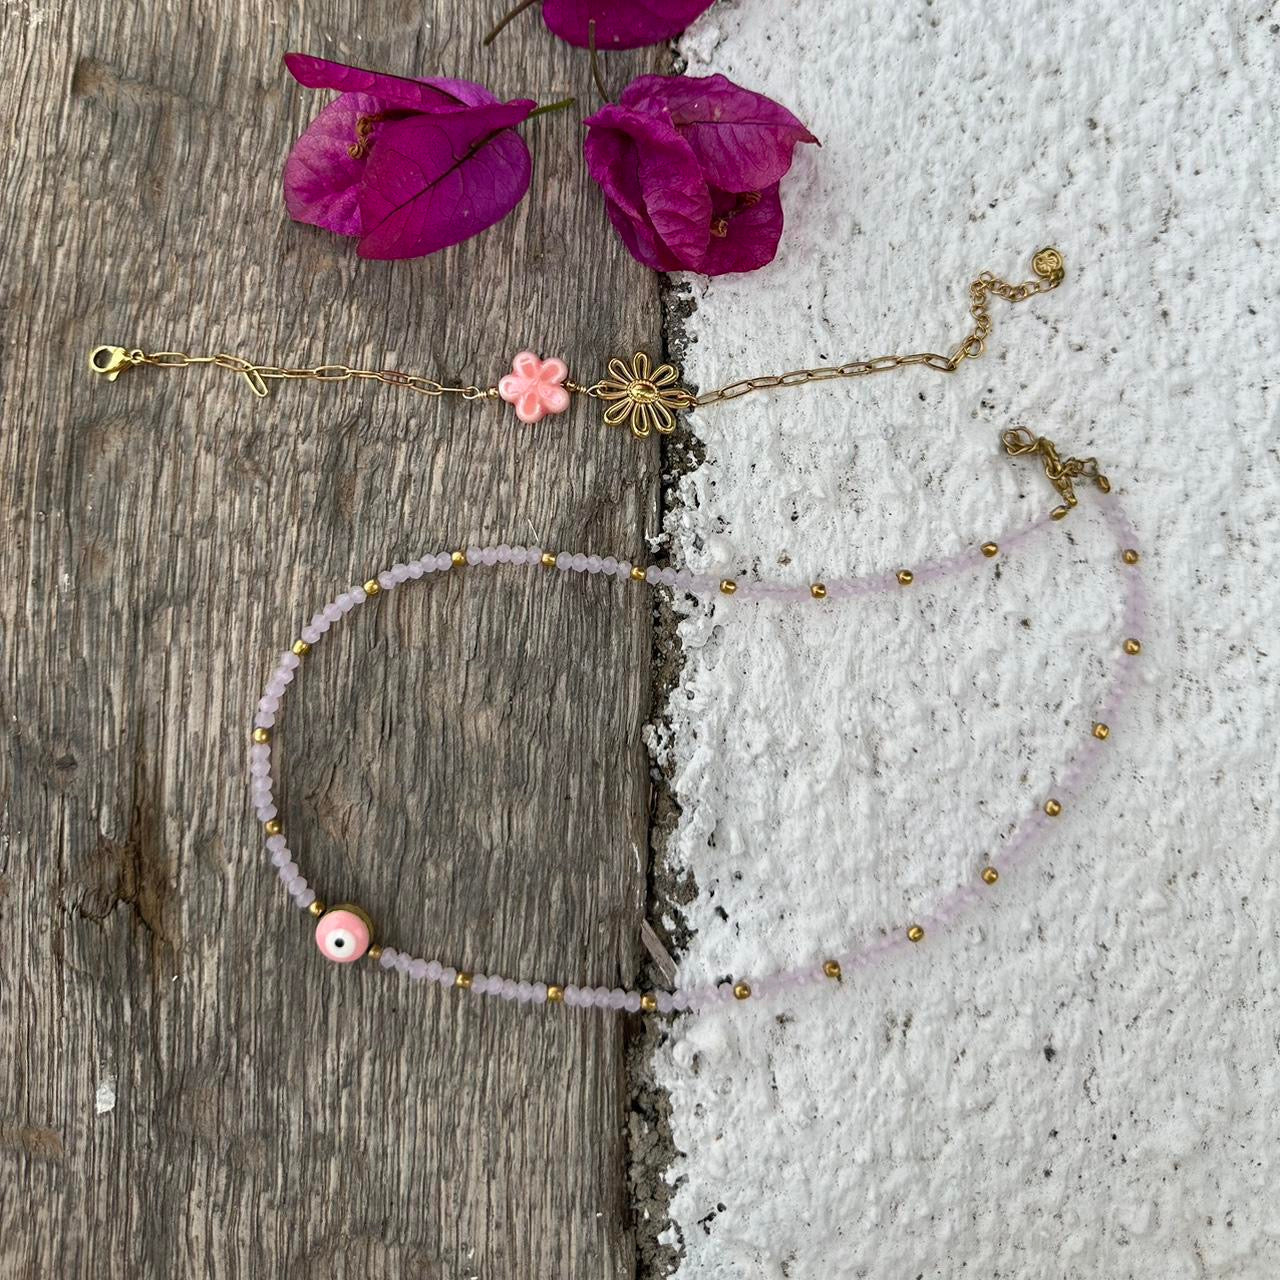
<point x="642" y="398"/>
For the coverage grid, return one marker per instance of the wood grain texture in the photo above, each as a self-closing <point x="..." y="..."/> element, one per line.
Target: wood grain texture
<point x="464" y="758"/>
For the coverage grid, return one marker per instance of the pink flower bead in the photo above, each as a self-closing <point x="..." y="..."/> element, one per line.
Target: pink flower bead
<point x="343" y="934"/>
<point x="535" y="387"/>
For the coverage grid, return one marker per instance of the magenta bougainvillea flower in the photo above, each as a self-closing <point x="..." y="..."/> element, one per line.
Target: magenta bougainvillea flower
<point x="408" y="166"/>
<point x="620" y="24"/>
<point x="690" y="168"/>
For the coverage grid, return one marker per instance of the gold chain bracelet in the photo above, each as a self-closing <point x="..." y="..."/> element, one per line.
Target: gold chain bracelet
<point x="639" y="395"/>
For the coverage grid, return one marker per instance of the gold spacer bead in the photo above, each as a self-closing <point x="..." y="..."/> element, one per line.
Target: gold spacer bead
<point x="1059" y="513"/>
<point x="1132" y="647"/>
<point x="555" y="994"/>
<point x="915" y="934"/>
<point x="832" y="969"/>
<point x="637" y="573"/>
<point x="728" y="586"/>
<point x="459" y="559"/>
<point x="1053" y="808"/>
<point x="262" y="735"/>
<point x="818" y="591"/>
<point x="548" y="560"/>
<point x="649" y="1003"/>
<point x="316" y="908"/>
<point x="1130" y="556"/>
<point x="374" y="952"/>
<point x="990" y="875"/>
<point x="301" y="648"/>
<point x="373" y="587"/>
<point x="741" y="991"/>
<point x="905" y="577"/>
<point x="463" y="980"/>
<point x="1101" y="731"/>
<point x="990" y="549"/>
<point x="274" y="827"/>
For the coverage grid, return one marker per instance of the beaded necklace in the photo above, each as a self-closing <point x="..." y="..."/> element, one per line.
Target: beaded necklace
<point x="639" y="394"/>
<point x="345" y="933"/>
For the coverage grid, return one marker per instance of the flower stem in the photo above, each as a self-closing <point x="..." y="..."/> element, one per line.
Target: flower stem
<point x="509" y="16"/>
<point x="595" y="62"/>
<point x="552" y="106"/>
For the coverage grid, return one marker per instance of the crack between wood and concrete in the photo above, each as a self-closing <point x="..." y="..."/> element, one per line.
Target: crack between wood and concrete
<point x="650" y="1144"/>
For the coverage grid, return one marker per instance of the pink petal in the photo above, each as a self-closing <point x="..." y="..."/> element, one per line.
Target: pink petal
<point x="529" y="407"/>
<point x="620" y="24"/>
<point x="555" y="399"/>
<point x="752" y="234"/>
<point x="653" y="185"/>
<point x="641" y="241"/>
<point x="321" y="180"/>
<point x="553" y="370"/>
<point x="743" y="140"/>
<point x="434" y="180"/>
<point x="511" y="387"/>
<point x="527" y="365"/>
<point x="420" y="95"/>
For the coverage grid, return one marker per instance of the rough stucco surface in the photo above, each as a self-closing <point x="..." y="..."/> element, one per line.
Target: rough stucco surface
<point x="1080" y="1080"/>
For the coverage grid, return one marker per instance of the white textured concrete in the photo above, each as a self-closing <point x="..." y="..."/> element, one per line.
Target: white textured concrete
<point x="1082" y="1081"/>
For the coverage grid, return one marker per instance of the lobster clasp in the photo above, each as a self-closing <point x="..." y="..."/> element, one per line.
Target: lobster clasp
<point x="109" y="362"/>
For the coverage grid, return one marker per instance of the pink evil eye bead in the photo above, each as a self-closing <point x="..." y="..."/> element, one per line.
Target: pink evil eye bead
<point x="343" y="934"/>
<point x="535" y="387"/>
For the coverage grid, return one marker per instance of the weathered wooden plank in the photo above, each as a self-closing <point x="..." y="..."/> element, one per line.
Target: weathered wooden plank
<point x="466" y="762"/>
